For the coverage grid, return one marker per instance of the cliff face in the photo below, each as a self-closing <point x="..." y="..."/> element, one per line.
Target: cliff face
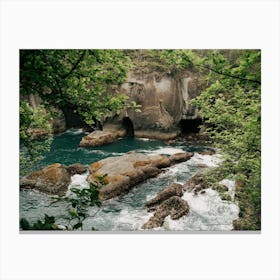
<point x="164" y="102"/>
<point x="58" y="123"/>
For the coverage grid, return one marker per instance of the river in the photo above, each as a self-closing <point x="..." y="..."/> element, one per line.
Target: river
<point x="127" y="212"/>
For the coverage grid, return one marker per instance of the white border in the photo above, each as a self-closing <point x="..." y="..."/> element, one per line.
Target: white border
<point x="157" y="24"/>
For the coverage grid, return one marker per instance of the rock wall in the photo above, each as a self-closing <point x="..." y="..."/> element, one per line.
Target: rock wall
<point x="58" y="123"/>
<point x="164" y="102"/>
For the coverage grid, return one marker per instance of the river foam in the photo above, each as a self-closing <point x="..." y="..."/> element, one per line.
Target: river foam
<point x="74" y="131"/>
<point x="207" y="212"/>
<point x="127" y="212"/>
<point x="205" y="160"/>
<point x="165" y="151"/>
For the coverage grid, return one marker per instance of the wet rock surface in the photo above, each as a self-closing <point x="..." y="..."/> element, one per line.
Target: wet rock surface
<point x="195" y="184"/>
<point x="124" y="172"/>
<point x="53" y="179"/>
<point x="172" y="190"/>
<point x="101" y="137"/>
<point x="174" y="206"/>
<point x="180" y="157"/>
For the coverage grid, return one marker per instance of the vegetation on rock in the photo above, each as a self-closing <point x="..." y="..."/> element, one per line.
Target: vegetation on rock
<point x="82" y="80"/>
<point x="230" y="105"/>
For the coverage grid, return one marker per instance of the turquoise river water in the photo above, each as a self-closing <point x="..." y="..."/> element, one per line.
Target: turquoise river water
<point x="127" y="212"/>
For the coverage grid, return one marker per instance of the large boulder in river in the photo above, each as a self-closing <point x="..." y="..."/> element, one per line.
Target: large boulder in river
<point x="101" y="137"/>
<point x="174" y="206"/>
<point x="171" y="190"/>
<point x="123" y="172"/>
<point x="53" y="179"/>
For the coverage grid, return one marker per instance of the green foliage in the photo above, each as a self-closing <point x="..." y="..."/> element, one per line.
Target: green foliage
<point x="80" y="79"/>
<point x="47" y="224"/>
<point x="83" y="80"/>
<point x="230" y="105"/>
<point x="161" y="61"/>
<point x="78" y="205"/>
<point x="32" y="121"/>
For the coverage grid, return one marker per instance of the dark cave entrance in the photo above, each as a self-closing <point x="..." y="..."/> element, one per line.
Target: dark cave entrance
<point x="128" y="126"/>
<point x="72" y="119"/>
<point x="189" y="126"/>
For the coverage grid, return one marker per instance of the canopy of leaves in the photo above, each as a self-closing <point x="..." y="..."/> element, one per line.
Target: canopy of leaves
<point x="80" y="79"/>
<point x="83" y="80"/>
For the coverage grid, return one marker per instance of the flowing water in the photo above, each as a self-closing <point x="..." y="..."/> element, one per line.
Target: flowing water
<point x="127" y="212"/>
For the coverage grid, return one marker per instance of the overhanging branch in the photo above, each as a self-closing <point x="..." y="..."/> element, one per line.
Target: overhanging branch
<point x="75" y="65"/>
<point x="229" y="75"/>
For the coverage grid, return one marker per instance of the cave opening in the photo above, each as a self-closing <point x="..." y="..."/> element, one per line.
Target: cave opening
<point x="72" y="119"/>
<point x="189" y="126"/>
<point x="128" y="126"/>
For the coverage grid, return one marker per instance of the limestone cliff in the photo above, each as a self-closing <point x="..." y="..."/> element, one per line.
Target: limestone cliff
<point x="164" y="102"/>
<point x="164" y="99"/>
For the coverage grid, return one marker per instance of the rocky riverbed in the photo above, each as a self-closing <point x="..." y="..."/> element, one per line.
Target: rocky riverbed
<point x="148" y="189"/>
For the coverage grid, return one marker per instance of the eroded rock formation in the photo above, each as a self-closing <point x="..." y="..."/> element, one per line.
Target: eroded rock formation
<point x="196" y="183"/>
<point x="173" y="189"/>
<point x="123" y="172"/>
<point x="164" y="103"/>
<point x="174" y="206"/>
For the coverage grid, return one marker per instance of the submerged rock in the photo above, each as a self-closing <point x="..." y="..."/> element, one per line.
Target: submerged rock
<point x="171" y="190"/>
<point x="174" y="206"/>
<point x="53" y="179"/>
<point x="101" y="137"/>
